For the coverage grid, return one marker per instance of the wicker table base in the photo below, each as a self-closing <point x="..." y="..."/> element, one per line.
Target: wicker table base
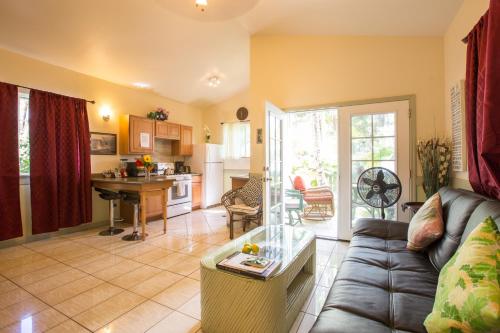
<point x="234" y="303"/>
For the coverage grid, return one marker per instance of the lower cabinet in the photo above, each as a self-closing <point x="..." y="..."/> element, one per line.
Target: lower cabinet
<point x="153" y="209"/>
<point x="197" y="183"/>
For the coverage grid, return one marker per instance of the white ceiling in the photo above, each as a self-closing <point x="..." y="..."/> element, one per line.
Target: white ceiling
<point x="175" y="47"/>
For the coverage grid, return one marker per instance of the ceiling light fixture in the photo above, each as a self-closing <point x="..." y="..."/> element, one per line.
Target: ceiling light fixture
<point x="213" y="81"/>
<point x="201" y="4"/>
<point x="142" y="85"/>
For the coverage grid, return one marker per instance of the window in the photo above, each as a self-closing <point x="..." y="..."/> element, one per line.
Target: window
<point x="23" y="128"/>
<point x="236" y="140"/>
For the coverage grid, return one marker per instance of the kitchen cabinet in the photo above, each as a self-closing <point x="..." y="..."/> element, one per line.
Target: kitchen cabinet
<point x="196" y="191"/>
<point x="184" y="147"/>
<point x="169" y="131"/>
<point x="136" y="135"/>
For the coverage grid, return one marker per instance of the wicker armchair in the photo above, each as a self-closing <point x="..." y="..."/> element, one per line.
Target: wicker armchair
<point x="250" y="209"/>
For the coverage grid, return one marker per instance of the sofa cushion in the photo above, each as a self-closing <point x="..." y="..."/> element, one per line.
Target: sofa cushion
<point x="427" y="225"/>
<point x="456" y="214"/>
<point x="468" y="296"/>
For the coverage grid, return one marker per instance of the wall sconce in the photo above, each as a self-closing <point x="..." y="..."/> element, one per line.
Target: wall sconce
<point x="105" y="112"/>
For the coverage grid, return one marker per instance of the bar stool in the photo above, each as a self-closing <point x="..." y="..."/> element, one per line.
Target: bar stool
<point x="132" y="199"/>
<point x="111" y="197"/>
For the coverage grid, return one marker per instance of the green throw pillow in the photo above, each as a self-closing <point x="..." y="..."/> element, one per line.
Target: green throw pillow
<point x="468" y="293"/>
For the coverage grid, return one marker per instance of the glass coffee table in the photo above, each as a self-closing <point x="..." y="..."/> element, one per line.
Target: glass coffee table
<point x="231" y="302"/>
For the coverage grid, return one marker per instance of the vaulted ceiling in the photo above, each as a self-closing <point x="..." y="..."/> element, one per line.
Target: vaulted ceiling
<point x="174" y="47"/>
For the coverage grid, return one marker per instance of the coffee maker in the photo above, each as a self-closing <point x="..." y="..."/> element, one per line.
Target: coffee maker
<point x="179" y="167"/>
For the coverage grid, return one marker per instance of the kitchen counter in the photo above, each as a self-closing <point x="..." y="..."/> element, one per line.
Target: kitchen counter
<point x="241" y="177"/>
<point x="239" y="181"/>
<point x="154" y="186"/>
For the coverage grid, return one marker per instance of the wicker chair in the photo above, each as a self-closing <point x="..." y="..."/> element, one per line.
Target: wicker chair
<point x="250" y="210"/>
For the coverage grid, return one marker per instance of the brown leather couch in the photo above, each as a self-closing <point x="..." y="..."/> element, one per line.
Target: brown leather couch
<point x="383" y="287"/>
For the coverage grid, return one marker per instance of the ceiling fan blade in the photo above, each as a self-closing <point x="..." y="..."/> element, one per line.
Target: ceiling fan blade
<point x="370" y="194"/>
<point x="380" y="175"/>
<point x="368" y="181"/>
<point x="384" y="198"/>
<point x="392" y="186"/>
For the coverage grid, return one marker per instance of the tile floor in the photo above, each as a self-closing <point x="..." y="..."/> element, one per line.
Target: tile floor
<point x="83" y="282"/>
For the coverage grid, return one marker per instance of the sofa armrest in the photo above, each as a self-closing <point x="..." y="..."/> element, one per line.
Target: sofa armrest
<point x="381" y="228"/>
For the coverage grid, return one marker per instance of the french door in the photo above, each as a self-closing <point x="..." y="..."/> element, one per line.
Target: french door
<point x="372" y="135"/>
<point x="273" y="171"/>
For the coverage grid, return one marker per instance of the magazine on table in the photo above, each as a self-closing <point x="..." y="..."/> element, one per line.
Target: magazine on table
<point x="249" y="265"/>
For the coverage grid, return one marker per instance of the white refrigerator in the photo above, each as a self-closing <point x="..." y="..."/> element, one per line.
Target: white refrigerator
<point x="207" y="160"/>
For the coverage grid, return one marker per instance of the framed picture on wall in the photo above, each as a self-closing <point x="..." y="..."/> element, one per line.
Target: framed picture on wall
<point x="102" y="143"/>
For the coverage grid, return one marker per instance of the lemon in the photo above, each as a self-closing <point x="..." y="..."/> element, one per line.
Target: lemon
<point x="247" y="248"/>
<point x="255" y="248"/>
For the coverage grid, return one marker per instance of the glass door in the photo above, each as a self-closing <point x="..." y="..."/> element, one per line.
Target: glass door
<point x="273" y="170"/>
<point x="372" y="135"/>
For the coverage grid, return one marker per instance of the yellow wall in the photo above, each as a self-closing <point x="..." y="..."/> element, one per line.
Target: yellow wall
<point x="21" y="70"/>
<point x="295" y="71"/>
<point x="455" y="60"/>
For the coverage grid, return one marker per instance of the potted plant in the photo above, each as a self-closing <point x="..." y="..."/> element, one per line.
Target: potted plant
<point x="434" y="155"/>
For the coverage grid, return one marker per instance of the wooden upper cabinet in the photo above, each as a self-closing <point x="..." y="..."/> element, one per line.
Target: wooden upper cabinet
<point x="168" y="131"/>
<point x="184" y="147"/>
<point x="136" y="135"/>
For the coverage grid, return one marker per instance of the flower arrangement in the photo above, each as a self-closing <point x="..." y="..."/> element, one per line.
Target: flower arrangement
<point x="159" y="114"/>
<point x="208" y="133"/>
<point x="434" y="156"/>
<point x="146" y="162"/>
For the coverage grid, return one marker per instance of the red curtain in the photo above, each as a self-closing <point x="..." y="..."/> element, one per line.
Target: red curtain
<point x="483" y="103"/>
<point x="10" y="209"/>
<point x="60" y="162"/>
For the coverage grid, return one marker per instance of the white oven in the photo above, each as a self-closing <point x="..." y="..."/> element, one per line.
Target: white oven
<point x="180" y="195"/>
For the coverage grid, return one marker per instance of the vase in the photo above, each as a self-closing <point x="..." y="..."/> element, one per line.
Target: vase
<point x="147" y="175"/>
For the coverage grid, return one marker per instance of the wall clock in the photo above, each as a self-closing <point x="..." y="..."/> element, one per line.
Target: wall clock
<point x="242" y="113"/>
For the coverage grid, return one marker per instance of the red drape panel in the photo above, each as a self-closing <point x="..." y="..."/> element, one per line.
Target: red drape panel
<point x="483" y="103"/>
<point x="60" y="162"/>
<point x="10" y="209"/>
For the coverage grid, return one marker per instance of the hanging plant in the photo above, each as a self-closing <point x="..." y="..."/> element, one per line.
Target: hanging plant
<point x="434" y="156"/>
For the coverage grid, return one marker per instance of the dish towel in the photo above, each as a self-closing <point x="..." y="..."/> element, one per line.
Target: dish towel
<point x="180" y="188"/>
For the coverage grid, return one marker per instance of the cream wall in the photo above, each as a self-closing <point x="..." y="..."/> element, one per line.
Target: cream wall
<point x="455" y="52"/>
<point x="21" y="70"/>
<point x="295" y="71"/>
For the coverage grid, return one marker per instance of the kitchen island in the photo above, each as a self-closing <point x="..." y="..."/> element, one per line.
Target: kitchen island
<point x="145" y="188"/>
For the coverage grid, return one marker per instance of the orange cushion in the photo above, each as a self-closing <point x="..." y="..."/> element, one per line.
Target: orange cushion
<point x="427" y="225"/>
<point x="298" y="184"/>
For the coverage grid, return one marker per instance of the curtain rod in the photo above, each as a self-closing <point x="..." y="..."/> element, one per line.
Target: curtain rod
<point x="234" y="122"/>
<point x="19" y="86"/>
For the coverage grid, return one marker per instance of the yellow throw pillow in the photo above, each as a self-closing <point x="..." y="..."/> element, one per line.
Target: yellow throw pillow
<point x="427" y="225"/>
<point x="468" y="292"/>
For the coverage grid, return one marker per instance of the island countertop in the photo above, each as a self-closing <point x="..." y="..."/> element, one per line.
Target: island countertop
<point x="130" y="180"/>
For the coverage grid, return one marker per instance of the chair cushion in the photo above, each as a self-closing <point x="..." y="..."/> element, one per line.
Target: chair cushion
<point x="298" y="183"/>
<point x="243" y="209"/>
<point x="427" y="225"/>
<point x="251" y="192"/>
<point x="468" y="294"/>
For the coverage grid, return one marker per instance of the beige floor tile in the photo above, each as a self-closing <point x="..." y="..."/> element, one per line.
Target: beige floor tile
<point x="139" y="319"/>
<point x="20" y="310"/>
<point x="69" y="290"/>
<point x="69" y="326"/>
<point x="192" y="307"/>
<point x="151" y="256"/>
<point x="12" y="297"/>
<point x="117" y="270"/>
<point x="55" y="281"/>
<point x="135" y="250"/>
<point x="88" y="299"/>
<point x="170" y="242"/>
<point x="317" y="300"/>
<point x="14" y="252"/>
<point x="40" y="322"/>
<point x="28" y="258"/>
<point x="107" y="311"/>
<point x="307" y="323"/>
<point x="47" y="244"/>
<point x="176" y="322"/>
<point x="85" y="252"/>
<point x="27" y="268"/>
<point x="135" y="277"/>
<point x="156" y="284"/>
<point x="179" y="293"/>
<point x="195" y="275"/>
<point x="6" y="286"/>
<point x="178" y="263"/>
<point x="40" y="274"/>
<point x="198" y="249"/>
<point x="328" y="277"/>
<point x="98" y="263"/>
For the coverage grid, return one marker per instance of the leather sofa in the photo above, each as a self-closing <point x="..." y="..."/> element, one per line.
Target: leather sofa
<point x="383" y="287"/>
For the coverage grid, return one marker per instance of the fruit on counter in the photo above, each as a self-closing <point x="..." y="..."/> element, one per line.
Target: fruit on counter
<point x="249" y="248"/>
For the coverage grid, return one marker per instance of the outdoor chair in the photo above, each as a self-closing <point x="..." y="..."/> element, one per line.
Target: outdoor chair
<point x="319" y="200"/>
<point x="294" y="203"/>
<point x="246" y="203"/>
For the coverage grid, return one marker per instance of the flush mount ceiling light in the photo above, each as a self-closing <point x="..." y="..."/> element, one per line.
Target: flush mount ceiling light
<point x="213" y="81"/>
<point x="201" y="4"/>
<point x="142" y="85"/>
